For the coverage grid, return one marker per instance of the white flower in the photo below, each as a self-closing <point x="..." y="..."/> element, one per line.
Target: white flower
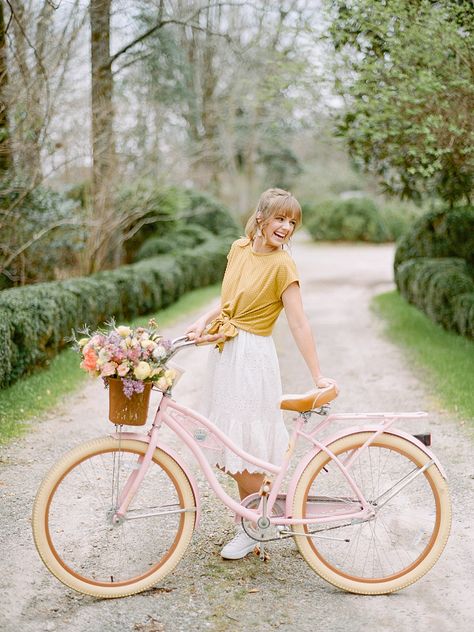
<point x="159" y="353"/>
<point x="147" y="344"/>
<point x="123" y="331"/>
<point x="162" y="383"/>
<point x="142" y="370"/>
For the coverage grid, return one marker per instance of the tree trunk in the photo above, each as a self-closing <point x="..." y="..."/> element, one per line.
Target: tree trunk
<point x="6" y="160"/>
<point x="103" y="142"/>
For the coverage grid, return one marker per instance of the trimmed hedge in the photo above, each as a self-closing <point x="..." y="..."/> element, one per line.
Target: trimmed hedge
<point x="441" y="233"/>
<point x="354" y="219"/>
<point x="434" y="268"/>
<point x="35" y="320"/>
<point x="436" y="286"/>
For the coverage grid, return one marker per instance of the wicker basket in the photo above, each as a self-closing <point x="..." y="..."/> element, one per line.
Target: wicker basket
<point x="122" y="410"/>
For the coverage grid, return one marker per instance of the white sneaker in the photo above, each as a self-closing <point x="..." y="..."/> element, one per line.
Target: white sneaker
<point x="239" y="546"/>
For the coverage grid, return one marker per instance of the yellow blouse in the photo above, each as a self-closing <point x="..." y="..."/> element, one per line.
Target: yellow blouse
<point x="251" y="290"/>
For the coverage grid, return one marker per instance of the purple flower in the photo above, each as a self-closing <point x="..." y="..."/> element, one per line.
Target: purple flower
<point x="132" y="386"/>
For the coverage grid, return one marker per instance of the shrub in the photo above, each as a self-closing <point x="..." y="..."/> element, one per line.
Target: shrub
<point x="35" y="320"/>
<point x="208" y="212"/>
<point x="440" y="233"/>
<point x="354" y="219"/>
<point x="436" y="286"/>
<point x="25" y="215"/>
<point x="185" y="236"/>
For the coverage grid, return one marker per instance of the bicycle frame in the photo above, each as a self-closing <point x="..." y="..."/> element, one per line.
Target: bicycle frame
<point x="168" y="413"/>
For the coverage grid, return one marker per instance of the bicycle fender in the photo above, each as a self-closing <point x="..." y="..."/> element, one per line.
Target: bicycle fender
<point x="344" y="433"/>
<point x="136" y="436"/>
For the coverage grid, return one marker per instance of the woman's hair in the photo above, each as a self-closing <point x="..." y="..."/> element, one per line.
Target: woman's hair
<point x="273" y="202"/>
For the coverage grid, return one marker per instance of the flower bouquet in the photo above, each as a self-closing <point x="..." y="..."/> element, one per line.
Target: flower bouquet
<point x="130" y="360"/>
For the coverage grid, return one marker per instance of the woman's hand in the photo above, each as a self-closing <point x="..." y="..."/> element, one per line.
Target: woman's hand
<point x="325" y="382"/>
<point x="195" y="330"/>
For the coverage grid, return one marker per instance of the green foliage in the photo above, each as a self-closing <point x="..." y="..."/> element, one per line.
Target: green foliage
<point x="47" y="222"/>
<point x="185" y="236"/>
<point x="434" y="268"/>
<point x="208" y="212"/>
<point x="157" y="209"/>
<point x="435" y="286"/>
<point x="440" y="233"/>
<point x="354" y="219"/>
<point x="408" y="82"/>
<point x="35" y="320"/>
<point x="170" y="218"/>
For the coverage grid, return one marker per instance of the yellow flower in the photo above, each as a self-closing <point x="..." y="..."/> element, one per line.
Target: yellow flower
<point x="83" y="341"/>
<point x="142" y="370"/>
<point x="123" y="331"/>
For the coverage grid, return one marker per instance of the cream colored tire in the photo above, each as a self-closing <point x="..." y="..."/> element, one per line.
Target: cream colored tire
<point x="75" y="492"/>
<point x="405" y="539"/>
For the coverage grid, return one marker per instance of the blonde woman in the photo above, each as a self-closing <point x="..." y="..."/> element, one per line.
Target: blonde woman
<point x="244" y="377"/>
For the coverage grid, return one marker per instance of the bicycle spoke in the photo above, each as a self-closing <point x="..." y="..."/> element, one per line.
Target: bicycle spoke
<point x="392" y="540"/>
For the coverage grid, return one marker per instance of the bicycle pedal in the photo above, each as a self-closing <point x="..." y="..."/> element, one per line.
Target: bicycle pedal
<point x="265" y="558"/>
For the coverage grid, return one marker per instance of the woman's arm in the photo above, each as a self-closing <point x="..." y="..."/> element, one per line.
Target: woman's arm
<point x="195" y="330"/>
<point x="301" y="331"/>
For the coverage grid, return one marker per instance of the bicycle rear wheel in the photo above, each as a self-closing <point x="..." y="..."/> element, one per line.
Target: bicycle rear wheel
<point x="83" y="546"/>
<point x="406" y="536"/>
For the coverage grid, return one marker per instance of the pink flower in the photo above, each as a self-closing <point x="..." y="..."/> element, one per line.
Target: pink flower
<point x="108" y="369"/>
<point x="90" y="360"/>
<point x="123" y="369"/>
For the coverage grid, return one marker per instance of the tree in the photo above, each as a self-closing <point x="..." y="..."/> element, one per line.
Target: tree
<point x="226" y="98"/>
<point x="405" y="69"/>
<point x="5" y="149"/>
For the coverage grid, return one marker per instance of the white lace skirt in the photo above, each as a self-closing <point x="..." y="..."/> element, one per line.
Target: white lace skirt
<point x="244" y="391"/>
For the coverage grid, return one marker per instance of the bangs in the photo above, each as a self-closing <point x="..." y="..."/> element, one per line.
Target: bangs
<point x="288" y="206"/>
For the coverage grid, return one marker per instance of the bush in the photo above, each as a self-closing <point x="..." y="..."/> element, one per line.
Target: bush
<point x="185" y="236"/>
<point x="434" y="268"/>
<point x="35" y="320"/>
<point x="442" y="288"/>
<point x="354" y="219"/>
<point x="25" y="214"/>
<point x="206" y="211"/>
<point x="441" y="233"/>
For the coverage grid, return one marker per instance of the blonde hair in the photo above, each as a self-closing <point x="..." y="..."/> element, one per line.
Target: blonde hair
<point x="273" y="202"/>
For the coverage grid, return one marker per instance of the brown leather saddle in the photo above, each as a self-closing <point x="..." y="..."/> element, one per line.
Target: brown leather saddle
<point x="310" y="400"/>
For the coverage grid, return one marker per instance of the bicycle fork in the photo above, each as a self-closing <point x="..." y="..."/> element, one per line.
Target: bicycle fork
<point x="134" y="480"/>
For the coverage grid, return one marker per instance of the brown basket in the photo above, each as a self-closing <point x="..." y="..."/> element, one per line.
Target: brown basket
<point x="122" y="410"/>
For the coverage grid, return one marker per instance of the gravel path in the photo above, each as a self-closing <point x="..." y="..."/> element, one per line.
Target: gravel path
<point x="205" y="592"/>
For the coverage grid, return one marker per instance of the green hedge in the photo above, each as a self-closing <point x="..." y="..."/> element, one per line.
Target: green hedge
<point x="434" y="267"/>
<point x="35" y="320"/>
<point x="442" y="288"/>
<point x="355" y="219"/>
<point x="441" y="233"/>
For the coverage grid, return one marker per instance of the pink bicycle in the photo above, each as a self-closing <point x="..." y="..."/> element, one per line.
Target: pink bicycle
<point x="368" y="507"/>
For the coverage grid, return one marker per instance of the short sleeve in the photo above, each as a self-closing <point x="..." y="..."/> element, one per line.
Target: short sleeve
<point x="286" y="275"/>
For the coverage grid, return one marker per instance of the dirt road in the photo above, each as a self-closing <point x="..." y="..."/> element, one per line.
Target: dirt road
<point x="205" y="592"/>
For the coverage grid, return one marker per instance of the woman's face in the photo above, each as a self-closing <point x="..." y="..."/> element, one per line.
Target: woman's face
<point x="278" y="230"/>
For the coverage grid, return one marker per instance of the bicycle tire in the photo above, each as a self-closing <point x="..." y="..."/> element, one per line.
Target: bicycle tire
<point x="420" y="515"/>
<point x="72" y="525"/>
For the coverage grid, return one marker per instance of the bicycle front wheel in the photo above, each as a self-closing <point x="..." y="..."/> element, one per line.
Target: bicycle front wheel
<point x="412" y="515"/>
<point x="82" y="543"/>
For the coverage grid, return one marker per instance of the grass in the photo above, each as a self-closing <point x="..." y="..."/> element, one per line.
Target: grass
<point x="35" y="394"/>
<point x="447" y="360"/>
